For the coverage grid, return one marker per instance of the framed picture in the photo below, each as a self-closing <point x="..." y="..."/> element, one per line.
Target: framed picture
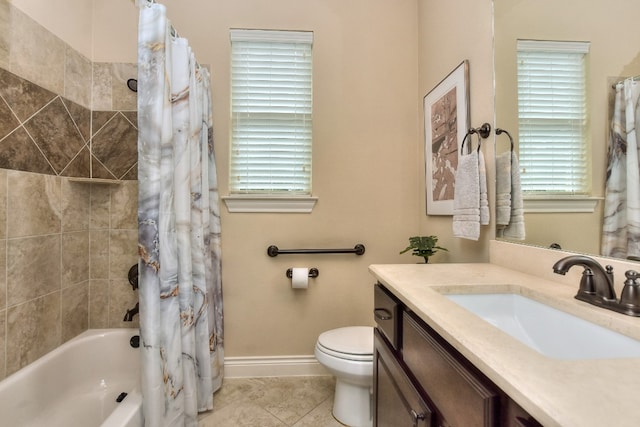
<point x="446" y="121"/>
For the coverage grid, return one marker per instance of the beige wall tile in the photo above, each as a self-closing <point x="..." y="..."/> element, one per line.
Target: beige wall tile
<point x="75" y="310"/>
<point x="75" y="262"/>
<point x="77" y="77"/>
<point x="36" y="54"/>
<point x="3" y="204"/>
<point x="99" y="254"/>
<point x="33" y="204"/>
<point x="101" y="86"/>
<point x="33" y="268"/>
<point x="5" y="33"/>
<point x="76" y="205"/>
<point x="3" y="343"/>
<point x="100" y="206"/>
<point x="33" y="329"/>
<point x="99" y="304"/>
<point x="3" y="275"/>
<point x="121" y="299"/>
<point x="124" y="206"/>
<point x="123" y="253"/>
<point x="123" y="97"/>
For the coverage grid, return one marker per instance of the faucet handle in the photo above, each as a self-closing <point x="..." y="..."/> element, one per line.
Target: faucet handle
<point x="630" y="295"/>
<point x="632" y="276"/>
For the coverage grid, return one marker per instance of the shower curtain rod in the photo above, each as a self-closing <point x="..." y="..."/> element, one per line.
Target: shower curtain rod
<point x="634" y="78"/>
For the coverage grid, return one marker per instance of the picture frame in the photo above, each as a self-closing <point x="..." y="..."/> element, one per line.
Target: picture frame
<point x="446" y="121"/>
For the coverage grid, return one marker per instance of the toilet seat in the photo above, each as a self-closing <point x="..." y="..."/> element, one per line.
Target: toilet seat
<point x="350" y="343"/>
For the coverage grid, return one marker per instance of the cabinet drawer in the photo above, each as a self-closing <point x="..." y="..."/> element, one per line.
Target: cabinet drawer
<point x="462" y="396"/>
<point x="386" y="314"/>
<point x="398" y="403"/>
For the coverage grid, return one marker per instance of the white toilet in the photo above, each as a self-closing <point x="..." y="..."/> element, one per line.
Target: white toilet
<point x="348" y="354"/>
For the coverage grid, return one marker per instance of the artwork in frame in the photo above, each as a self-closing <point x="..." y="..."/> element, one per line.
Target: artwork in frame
<point x="446" y="121"/>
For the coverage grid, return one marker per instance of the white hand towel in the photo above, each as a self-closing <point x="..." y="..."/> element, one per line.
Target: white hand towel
<point x="485" y="216"/>
<point x="503" y="188"/>
<point x="515" y="229"/>
<point x="466" y="198"/>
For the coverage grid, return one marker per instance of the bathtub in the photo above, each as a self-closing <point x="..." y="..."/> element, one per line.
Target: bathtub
<point x="77" y="384"/>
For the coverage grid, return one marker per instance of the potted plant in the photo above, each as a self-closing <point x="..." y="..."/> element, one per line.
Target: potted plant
<point x="423" y="246"/>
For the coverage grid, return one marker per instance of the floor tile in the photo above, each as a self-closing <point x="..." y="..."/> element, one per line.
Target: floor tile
<point x="273" y="402"/>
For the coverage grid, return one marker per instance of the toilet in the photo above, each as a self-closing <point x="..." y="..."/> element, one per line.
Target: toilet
<point x="348" y="354"/>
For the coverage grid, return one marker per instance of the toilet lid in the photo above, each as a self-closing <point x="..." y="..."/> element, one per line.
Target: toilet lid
<point x="350" y="340"/>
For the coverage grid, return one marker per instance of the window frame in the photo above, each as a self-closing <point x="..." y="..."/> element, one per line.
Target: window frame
<point x="297" y="115"/>
<point x="574" y="198"/>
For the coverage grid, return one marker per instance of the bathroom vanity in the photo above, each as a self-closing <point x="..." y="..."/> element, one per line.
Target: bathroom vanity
<point x="421" y="380"/>
<point x="437" y="364"/>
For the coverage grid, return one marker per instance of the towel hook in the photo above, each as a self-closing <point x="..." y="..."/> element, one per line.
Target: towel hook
<point x="500" y="131"/>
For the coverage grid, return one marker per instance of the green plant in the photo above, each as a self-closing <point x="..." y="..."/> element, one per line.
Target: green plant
<point x="423" y="246"/>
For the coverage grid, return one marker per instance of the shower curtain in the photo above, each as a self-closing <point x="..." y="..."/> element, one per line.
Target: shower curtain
<point x="621" y="225"/>
<point x="178" y="228"/>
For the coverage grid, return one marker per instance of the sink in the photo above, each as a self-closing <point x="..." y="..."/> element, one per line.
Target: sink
<point x="547" y="330"/>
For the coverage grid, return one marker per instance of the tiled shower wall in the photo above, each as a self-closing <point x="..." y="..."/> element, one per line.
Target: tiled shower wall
<point x="65" y="247"/>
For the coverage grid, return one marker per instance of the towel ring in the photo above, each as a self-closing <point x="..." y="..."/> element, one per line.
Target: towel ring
<point x="483" y="133"/>
<point x="500" y="131"/>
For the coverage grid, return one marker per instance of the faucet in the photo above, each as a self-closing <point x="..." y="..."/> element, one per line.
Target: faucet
<point x="595" y="279"/>
<point x="596" y="285"/>
<point x="128" y="317"/>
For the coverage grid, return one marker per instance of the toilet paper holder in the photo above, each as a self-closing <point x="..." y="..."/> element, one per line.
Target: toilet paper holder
<point x="313" y="272"/>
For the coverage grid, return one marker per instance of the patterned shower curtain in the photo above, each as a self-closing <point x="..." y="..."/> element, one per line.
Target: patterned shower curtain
<point x="621" y="225"/>
<point x="178" y="226"/>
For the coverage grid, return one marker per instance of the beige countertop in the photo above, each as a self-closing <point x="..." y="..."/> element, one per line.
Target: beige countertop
<point x="580" y="393"/>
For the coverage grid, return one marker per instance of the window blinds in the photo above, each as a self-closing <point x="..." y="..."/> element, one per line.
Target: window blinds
<point x="271" y="97"/>
<point x="552" y="111"/>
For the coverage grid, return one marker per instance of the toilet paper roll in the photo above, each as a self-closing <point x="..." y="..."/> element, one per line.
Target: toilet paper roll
<point x="300" y="278"/>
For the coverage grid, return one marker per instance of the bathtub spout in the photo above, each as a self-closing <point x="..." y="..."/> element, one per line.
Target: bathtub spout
<point x="128" y="317"/>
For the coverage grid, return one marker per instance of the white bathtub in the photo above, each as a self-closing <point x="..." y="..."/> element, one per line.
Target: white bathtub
<point x="77" y="384"/>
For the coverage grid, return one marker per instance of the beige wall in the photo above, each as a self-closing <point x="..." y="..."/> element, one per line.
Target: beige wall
<point x="450" y="32"/>
<point x="372" y="65"/>
<point x="611" y="27"/>
<point x="364" y="169"/>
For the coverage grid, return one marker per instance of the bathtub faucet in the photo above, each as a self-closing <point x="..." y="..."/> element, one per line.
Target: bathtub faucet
<point x="128" y="317"/>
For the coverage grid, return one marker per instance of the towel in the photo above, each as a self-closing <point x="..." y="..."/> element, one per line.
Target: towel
<point x="515" y="229"/>
<point x="485" y="216"/>
<point x="503" y="188"/>
<point x="466" y="198"/>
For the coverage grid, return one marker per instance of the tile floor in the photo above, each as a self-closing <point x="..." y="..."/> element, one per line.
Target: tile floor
<point x="273" y="402"/>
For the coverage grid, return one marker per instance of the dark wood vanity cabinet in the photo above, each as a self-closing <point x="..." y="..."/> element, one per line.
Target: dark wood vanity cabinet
<point x="421" y="380"/>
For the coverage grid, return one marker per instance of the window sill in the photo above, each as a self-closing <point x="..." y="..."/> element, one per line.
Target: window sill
<point x="269" y="204"/>
<point x="560" y="204"/>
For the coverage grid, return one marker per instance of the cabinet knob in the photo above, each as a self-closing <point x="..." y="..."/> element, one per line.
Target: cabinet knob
<point x="382" y="314"/>
<point x="417" y="417"/>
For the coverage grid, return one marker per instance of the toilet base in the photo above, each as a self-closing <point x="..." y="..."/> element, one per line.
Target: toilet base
<point x="352" y="404"/>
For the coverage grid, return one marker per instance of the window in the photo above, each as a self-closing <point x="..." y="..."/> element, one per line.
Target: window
<point x="271" y="112"/>
<point x="552" y="112"/>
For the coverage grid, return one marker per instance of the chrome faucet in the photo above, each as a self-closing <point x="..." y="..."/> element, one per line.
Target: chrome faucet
<point x="596" y="285"/>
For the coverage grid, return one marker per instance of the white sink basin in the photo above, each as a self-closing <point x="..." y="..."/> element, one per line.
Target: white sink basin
<point x="547" y="330"/>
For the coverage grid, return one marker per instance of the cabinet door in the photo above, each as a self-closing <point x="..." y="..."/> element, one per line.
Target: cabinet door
<point x="462" y="396"/>
<point x="397" y="402"/>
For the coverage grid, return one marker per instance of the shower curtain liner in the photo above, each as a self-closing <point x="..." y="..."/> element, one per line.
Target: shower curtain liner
<point x="178" y="228"/>
<point x="621" y="225"/>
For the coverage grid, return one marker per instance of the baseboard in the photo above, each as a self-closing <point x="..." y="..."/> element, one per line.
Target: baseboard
<point x="272" y="366"/>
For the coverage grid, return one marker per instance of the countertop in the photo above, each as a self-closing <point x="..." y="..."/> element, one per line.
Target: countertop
<point x="567" y="393"/>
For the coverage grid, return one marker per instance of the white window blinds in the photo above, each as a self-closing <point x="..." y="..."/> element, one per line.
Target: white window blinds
<point x="552" y="111"/>
<point x="271" y="107"/>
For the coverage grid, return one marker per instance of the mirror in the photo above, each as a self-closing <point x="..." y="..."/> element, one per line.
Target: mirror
<point x="611" y="28"/>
